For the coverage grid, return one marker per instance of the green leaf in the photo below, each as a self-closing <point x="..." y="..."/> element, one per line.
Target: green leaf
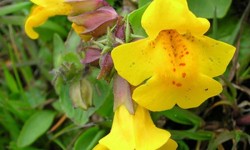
<point x="59" y="49"/>
<point x="235" y="135"/>
<point x="111" y="2"/>
<point x="34" y="127"/>
<point x="13" y="20"/>
<point x="143" y="2"/>
<point x="194" y="135"/>
<point x="209" y="7"/>
<point x="13" y="8"/>
<point x="135" y="20"/>
<point x="72" y="57"/>
<point x="183" y="116"/>
<point x="89" y="139"/>
<point x="10" y="80"/>
<point x="73" y="41"/>
<point x="54" y="27"/>
<point x="9" y="123"/>
<point x="182" y="145"/>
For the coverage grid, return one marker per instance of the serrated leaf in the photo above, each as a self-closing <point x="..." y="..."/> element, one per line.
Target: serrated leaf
<point x="34" y="127"/>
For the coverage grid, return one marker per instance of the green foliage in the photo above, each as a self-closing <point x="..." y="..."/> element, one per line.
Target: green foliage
<point x="34" y="127"/>
<point x="209" y="8"/>
<point x="89" y="138"/>
<point x="135" y="20"/>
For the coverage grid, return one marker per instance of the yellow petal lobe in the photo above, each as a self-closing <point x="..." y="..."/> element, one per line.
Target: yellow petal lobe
<point x="100" y="147"/>
<point x="45" y="3"/>
<point x="213" y="56"/>
<point x="133" y="61"/>
<point x="174" y="14"/>
<point x="134" y="132"/>
<point x="170" y="145"/>
<point x="40" y="14"/>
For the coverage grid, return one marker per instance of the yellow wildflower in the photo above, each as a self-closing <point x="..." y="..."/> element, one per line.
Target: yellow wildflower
<point x="46" y="8"/>
<point x="135" y="132"/>
<point x="42" y="11"/>
<point x="176" y="63"/>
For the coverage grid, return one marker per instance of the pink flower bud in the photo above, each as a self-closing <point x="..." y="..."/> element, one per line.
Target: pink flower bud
<point x="96" y="22"/>
<point x="120" y="30"/>
<point x="91" y="54"/>
<point x="106" y="65"/>
<point x="122" y="94"/>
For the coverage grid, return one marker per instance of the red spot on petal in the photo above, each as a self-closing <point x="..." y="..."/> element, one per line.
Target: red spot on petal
<point x="174" y="70"/>
<point x="173" y="82"/>
<point x="178" y="84"/>
<point x="182" y="64"/>
<point x="181" y="56"/>
<point x="183" y="75"/>
<point x="187" y="52"/>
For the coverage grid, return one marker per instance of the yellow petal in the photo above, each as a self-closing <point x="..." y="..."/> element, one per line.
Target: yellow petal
<point x="79" y="30"/>
<point x="170" y="145"/>
<point x="213" y="55"/>
<point x="130" y="132"/>
<point x="172" y="14"/>
<point x="161" y="93"/>
<point x="45" y="3"/>
<point x="40" y="14"/>
<point x="133" y="61"/>
<point x="100" y="147"/>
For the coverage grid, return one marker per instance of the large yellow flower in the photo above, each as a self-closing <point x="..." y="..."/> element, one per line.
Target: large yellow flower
<point x="176" y="63"/>
<point x="135" y="132"/>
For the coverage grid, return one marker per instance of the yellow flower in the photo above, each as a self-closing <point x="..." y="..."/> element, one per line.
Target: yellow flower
<point x="46" y="8"/>
<point x="135" y="132"/>
<point x="42" y="11"/>
<point x="176" y="63"/>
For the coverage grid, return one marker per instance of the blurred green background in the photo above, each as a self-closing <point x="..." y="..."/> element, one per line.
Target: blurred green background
<point x="35" y="108"/>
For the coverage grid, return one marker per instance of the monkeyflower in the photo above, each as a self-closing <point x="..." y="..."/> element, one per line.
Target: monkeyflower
<point x="89" y="9"/>
<point x="135" y="132"/>
<point x="132" y="127"/>
<point x="176" y="63"/>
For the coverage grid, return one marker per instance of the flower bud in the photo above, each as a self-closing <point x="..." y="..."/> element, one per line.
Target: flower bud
<point x="81" y="94"/>
<point x="96" y="22"/>
<point x="106" y="65"/>
<point x="91" y="54"/>
<point x="122" y="94"/>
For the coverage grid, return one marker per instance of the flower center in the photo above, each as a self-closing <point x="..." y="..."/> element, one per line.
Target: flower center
<point x="179" y="61"/>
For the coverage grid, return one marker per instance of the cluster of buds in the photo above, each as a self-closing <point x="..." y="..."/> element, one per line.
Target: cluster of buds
<point x="97" y="51"/>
